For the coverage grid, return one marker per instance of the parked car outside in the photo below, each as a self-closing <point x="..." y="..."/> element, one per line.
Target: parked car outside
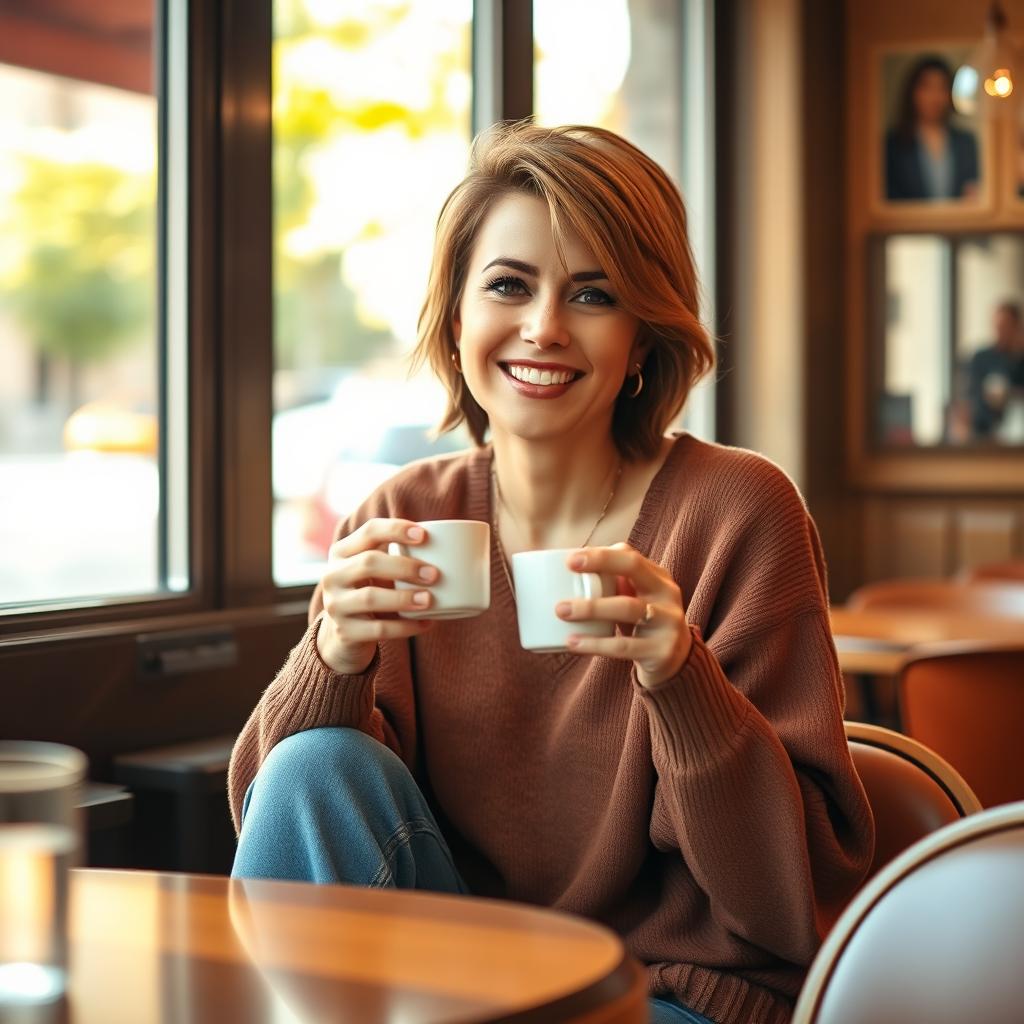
<point x="329" y="456"/>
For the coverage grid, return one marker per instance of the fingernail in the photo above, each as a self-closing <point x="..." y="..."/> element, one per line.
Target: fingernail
<point x="563" y="608"/>
<point x="578" y="561"/>
<point x="415" y="533"/>
<point x="573" y="641"/>
<point x="427" y="572"/>
<point x="421" y="597"/>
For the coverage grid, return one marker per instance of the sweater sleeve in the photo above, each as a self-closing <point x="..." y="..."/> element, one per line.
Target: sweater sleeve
<point x="756" y="787"/>
<point x="307" y="694"/>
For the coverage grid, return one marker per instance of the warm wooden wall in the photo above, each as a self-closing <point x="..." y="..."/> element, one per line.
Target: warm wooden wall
<point x="904" y="513"/>
<point x="87" y="688"/>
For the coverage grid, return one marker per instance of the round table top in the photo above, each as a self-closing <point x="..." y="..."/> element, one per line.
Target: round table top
<point x="878" y="641"/>
<point x="148" y="947"/>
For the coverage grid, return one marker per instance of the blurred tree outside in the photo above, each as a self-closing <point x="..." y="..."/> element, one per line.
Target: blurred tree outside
<point x="79" y="272"/>
<point x="322" y="318"/>
<point x="82" y="283"/>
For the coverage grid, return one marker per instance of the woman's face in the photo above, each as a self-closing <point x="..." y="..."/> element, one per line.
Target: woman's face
<point x="543" y="352"/>
<point x="931" y="96"/>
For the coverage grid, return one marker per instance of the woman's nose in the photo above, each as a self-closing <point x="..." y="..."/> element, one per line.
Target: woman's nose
<point x="543" y="325"/>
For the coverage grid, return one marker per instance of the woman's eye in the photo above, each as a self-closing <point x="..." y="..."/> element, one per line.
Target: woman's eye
<point x="506" y="286"/>
<point x="594" y="297"/>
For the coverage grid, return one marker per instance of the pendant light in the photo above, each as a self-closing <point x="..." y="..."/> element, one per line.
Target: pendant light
<point x="991" y="80"/>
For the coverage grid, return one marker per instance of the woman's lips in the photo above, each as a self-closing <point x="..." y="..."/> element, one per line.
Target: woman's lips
<point x="536" y="390"/>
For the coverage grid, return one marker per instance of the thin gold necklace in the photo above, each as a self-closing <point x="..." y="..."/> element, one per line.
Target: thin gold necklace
<point x="501" y="501"/>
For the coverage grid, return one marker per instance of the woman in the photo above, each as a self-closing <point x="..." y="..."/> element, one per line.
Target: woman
<point x="687" y="781"/>
<point x="927" y="157"/>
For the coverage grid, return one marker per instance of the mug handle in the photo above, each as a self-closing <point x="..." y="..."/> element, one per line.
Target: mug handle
<point x="589" y="585"/>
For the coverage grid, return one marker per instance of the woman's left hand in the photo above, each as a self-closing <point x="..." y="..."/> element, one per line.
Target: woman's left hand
<point x="648" y="609"/>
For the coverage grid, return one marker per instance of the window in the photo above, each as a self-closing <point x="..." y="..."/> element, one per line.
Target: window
<point x="148" y="402"/>
<point x="371" y="131"/>
<point x="91" y="486"/>
<point x="639" y="69"/>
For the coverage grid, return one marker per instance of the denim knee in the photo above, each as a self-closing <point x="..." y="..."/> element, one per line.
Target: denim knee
<point x="335" y="805"/>
<point x="315" y="760"/>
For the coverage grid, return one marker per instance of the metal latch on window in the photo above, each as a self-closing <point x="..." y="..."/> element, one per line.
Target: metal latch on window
<point x="171" y="654"/>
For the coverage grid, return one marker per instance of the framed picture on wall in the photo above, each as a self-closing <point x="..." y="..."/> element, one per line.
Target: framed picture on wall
<point x="927" y="155"/>
<point x="1016" y="172"/>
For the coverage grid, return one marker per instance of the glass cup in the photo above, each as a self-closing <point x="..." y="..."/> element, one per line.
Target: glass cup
<point x="40" y="836"/>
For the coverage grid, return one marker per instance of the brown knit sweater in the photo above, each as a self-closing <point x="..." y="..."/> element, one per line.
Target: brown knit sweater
<point x="716" y="822"/>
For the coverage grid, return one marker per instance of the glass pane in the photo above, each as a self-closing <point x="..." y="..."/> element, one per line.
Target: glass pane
<point x="80" y="395"/>
<point x="950" y="339"/>
<point x="612" y="63"/>
<point x="990" y="338"/>
<point x="371" y="132"/>
<point x="915" y="385"/>
<point x="639" y="68"/>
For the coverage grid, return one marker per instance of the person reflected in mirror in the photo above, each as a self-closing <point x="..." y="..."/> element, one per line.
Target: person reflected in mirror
<point x="995" y="374"/>
<point x="927" y="157"/>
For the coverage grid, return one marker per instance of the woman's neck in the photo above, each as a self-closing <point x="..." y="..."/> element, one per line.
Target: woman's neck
<point x="552" y="494"/>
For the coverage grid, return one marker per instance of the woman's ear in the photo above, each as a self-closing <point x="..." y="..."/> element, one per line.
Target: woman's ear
<point x="641" y="349"/>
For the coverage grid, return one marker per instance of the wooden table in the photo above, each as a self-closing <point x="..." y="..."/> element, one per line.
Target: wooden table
<point x="877" y="642"/>
<point x="150" y="947"/>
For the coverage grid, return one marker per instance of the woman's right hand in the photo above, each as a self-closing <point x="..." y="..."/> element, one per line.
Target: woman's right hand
<point x="360" y="598"/>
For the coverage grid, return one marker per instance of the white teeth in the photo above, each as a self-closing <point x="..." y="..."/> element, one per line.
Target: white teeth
<point x="531" y="375"/>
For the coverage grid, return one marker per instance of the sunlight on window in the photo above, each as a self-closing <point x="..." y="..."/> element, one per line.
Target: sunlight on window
<point x="582" y="53"/>
<point x="625" y="65"/>
<point x="79" y="483"/>
<point x="371" y="132"/>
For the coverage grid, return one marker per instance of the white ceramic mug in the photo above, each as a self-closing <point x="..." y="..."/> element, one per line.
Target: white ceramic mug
<point x="461" y="551"/>
<point x="542" y="579"/>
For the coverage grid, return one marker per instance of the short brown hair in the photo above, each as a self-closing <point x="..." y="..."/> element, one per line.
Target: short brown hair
<point x="627" y="211"/>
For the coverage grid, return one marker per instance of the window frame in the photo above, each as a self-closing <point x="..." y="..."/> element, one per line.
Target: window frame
<point x="201" y="33"/>
<point x="230" y="316"/>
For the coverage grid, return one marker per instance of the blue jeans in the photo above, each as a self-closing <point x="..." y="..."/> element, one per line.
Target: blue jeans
<point x="333" y="805"/>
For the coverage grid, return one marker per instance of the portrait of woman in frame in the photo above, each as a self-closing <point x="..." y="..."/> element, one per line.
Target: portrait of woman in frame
<point x="929" y="154"/>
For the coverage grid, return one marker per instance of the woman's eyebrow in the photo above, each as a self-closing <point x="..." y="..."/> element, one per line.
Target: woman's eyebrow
<point x="529" y="268"/>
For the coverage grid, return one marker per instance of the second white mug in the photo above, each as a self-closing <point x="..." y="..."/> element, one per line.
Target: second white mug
<point x="542" y="579"/>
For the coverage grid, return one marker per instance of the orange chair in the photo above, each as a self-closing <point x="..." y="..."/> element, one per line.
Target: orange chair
<point x="912" y="791"/>
<point x="1000" y="599"/>
<point x="1010" y="571"/>
<point x="935" y="936"/>
<point x="966" y="702"/>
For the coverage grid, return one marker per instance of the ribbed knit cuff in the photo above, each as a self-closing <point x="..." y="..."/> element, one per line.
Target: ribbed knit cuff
<point x="696" y="713"/>
<point x="317" y="695"/>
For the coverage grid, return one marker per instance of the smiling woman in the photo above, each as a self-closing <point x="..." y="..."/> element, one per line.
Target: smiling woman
<point x="511" y="330"/>
<point x="577" y="225"/>
<point x="667" y="754"/>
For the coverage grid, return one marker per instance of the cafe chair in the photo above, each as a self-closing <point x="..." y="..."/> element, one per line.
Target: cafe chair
<point x="1011" y="571"/>
<point x="997" y="598"/>
<point x="935" y="936"/>
<point x="911" y="790"/>
<point x="966" y="702"/>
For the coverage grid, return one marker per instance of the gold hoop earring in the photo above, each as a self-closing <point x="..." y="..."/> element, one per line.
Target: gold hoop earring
<point x="639" y="386"/>
<point x="455" y="361"/>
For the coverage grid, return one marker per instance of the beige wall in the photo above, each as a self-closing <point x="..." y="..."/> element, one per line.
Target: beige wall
<point x="768" y="343"/>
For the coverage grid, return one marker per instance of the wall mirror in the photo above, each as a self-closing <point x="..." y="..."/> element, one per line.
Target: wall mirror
<point x="946" y="337"/>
